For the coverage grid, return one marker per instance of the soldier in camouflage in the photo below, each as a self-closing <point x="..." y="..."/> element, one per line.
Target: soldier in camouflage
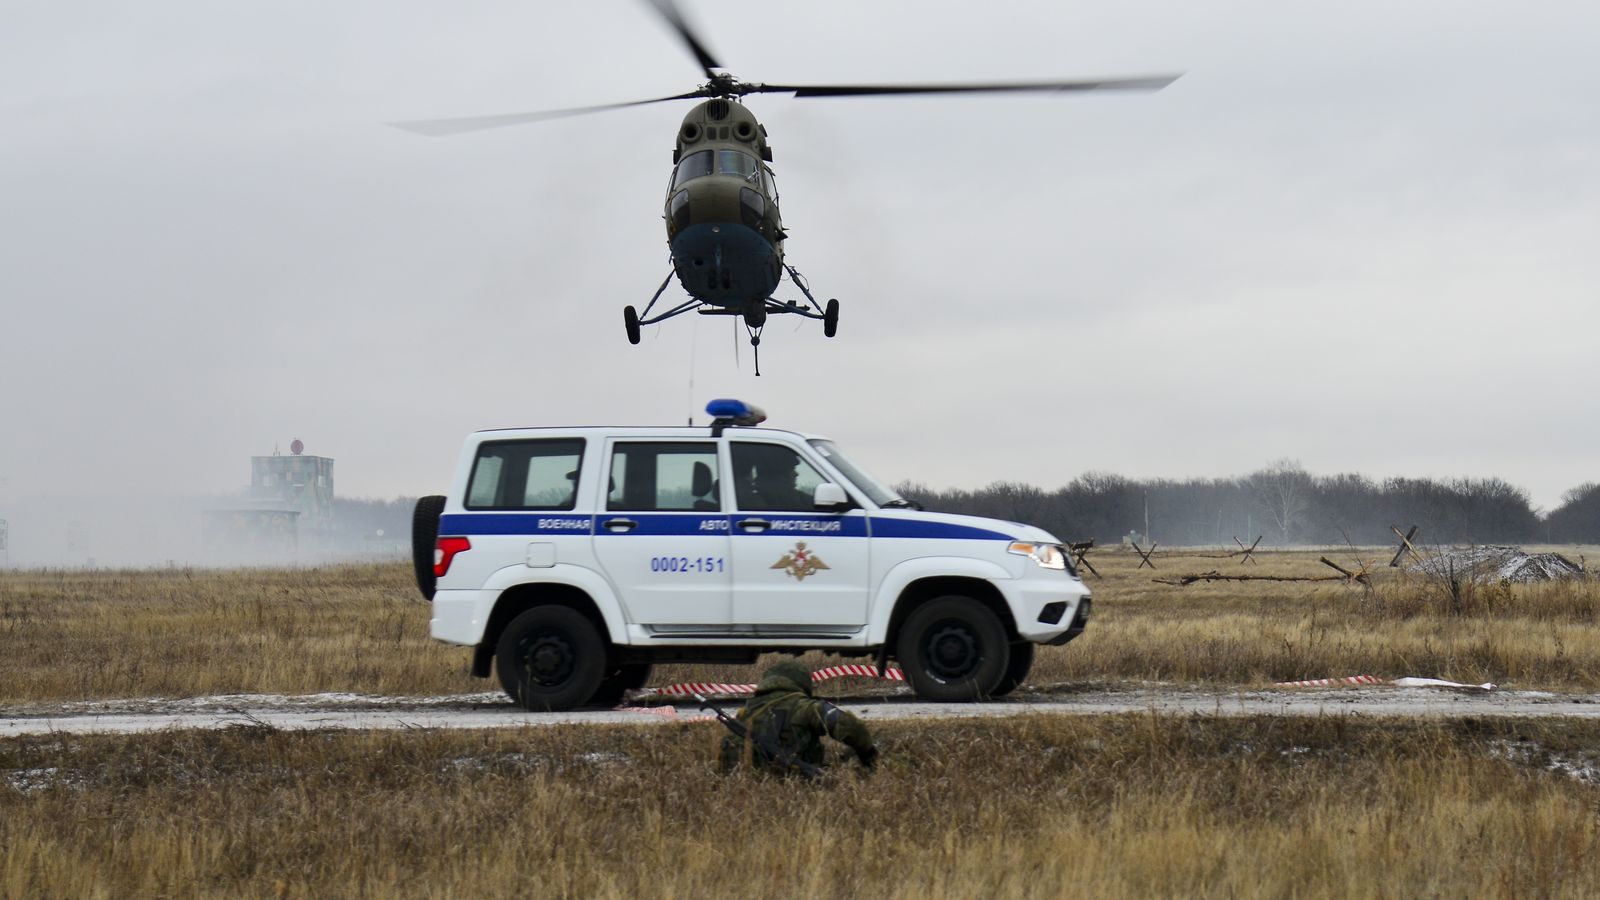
<point x="783" y="714"/>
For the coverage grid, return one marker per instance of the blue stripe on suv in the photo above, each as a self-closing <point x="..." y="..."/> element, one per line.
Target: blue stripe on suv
<point x="662" y="523"/>
<point x="912" y="528"/>
<point x="702" y="524"/>
<point x="515" y="523"/>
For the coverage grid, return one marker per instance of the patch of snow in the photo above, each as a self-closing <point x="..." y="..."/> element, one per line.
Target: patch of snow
<point x="498" y="761"/>
<point x="526" y="761"/>
<point x="1584" y="768"/>
<point x="1491" y="563"/>
<point x="27" y="781"/>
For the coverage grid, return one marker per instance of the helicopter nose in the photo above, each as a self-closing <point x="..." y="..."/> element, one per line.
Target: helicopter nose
<point x="724" y="263"/>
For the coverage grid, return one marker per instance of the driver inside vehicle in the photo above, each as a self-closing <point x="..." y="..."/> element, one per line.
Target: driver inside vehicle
<point x="770" y="482"/>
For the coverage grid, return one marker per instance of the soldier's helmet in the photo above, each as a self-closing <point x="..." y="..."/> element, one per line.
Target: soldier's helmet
<point x="790" y="671"/>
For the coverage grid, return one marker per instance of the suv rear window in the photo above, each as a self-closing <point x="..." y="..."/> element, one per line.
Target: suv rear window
<point x="526" y="475"/>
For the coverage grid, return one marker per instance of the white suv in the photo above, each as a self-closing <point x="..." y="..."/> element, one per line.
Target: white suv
<point x="575" y="558"/>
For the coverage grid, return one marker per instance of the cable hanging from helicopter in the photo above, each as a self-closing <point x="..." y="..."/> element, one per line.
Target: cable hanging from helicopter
<point x="724" y="229"/>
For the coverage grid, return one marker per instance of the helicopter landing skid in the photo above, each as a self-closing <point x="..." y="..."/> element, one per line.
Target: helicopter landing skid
<point x="828" y="314"/>
<point x="755" y="314"/>
<point x="633" y="320"/>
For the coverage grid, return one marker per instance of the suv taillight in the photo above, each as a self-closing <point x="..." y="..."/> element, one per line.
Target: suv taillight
<point x="446" y="550"/>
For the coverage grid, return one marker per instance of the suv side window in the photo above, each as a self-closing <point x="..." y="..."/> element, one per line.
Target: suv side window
<point x="773" y="478"/>
<point x="526" y="475"/>
<point x="664" y="477"/>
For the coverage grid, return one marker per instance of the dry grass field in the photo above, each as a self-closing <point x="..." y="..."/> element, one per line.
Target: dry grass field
<point x="1035" y="806"/>
<point x="1134" y="805"/>
<point x="74" y="635"/>
<point x="1527" y="636"/>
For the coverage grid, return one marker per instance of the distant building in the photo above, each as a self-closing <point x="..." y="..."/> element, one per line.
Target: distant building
<point x="288" y="509"/>
<point x="301" y="483"/>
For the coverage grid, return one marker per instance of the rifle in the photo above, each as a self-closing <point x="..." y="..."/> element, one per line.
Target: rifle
<point x="767" y="743"/>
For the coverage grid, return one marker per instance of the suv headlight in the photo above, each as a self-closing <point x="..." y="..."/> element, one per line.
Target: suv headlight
<point x="1050" y="556"/>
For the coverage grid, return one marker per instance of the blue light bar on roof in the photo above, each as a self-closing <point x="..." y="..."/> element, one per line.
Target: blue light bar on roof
<point x="736" y="411"/>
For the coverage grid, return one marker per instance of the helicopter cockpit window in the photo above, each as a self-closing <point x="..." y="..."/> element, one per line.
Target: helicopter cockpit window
<point x="693" y="166"/>
<point x="769" y="184"/>
<point x="732" y="162"/>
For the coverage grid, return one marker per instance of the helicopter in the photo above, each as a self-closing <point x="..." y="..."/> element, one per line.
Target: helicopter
<point x="724" y="230"/>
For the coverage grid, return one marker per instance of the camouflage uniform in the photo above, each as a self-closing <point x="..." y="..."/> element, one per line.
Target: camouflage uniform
<point x="784" y="709"/>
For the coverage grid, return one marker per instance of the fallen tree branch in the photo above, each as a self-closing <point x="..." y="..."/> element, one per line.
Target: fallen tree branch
<point x="1344" y="575"/>
<point x="1360" y="576"/>
<point x="1214" y="575"/>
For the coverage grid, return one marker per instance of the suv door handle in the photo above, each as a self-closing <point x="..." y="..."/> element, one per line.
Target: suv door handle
<point x="754" y="524"/>
<point x="620" y="524"/>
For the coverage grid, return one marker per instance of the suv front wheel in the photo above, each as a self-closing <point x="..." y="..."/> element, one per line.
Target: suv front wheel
<point x="953" y="649"/>
<point x="550" y="658"/>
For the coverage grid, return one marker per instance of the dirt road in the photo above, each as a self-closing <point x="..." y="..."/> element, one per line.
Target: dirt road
<point x="491" y="710"/>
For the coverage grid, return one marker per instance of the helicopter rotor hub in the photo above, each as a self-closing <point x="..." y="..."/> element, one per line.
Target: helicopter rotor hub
<point x="723" y="84"/>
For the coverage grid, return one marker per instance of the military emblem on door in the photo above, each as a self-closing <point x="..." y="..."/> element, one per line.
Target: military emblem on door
<point x="800" y="563"/>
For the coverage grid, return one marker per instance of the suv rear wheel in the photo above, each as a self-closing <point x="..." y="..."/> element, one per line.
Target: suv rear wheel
<point x="550" y="658"/>
<point x="952" y="649"/>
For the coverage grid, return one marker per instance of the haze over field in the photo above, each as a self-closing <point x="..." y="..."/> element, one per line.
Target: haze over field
<point x="1359" y="235"/>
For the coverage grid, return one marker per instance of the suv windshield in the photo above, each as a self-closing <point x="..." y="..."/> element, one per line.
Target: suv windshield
<point x="868" y="485"/>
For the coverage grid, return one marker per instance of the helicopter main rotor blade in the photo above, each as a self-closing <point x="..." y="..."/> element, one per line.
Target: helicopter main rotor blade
<point x="669" y="11"/>
<point x="1142" y="83"/>
<point x="440" y="127"/>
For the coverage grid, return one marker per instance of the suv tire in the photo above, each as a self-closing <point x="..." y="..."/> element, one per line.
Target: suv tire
<point x="1016" y="669"/>
<point x="953" y="649"/>
<point x="424" y="535"/>
<point x="550" y="658"/>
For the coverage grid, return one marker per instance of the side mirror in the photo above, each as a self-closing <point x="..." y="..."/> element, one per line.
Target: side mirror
<point x="830" y="496"/>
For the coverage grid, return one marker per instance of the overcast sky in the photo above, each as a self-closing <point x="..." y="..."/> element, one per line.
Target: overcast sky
<point x="1361" y="235"/>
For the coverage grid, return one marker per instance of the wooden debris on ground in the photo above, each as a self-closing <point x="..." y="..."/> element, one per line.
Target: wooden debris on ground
<point x="1144" y="555"/>
<point x="1345" y="575"/>
<point x="1405" y="546"/>
<point x="1080" y="550"/>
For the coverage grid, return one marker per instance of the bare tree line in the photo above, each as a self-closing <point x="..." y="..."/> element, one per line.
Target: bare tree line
<point x="1284" y="504"/>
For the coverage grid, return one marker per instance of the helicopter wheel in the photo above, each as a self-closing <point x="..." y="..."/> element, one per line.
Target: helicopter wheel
<point x="630" y="320"/>
<point x="830" y="319"/>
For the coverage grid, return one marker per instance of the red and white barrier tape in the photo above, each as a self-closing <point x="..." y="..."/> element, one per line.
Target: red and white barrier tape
<point x="860" y="671"/>
<point x="689" y="689"/>
<point x="1329" y="682"/>
<point x="854" y="670"/>
<point x="1398" y="682"/>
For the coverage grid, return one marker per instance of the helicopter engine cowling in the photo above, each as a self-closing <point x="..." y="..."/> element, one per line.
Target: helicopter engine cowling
<point x="721" y="121"/>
